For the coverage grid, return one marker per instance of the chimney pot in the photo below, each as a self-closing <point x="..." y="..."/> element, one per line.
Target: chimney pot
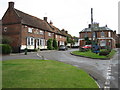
<point x="11" y="4"/>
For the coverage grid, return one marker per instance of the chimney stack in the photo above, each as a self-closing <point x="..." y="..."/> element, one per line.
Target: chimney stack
<point x="11" y="4"/>
<point x="45" y="18"/>
<point x="51" y="22"/>
<point x="66" y="32"/>
<point x="89" y="26"/>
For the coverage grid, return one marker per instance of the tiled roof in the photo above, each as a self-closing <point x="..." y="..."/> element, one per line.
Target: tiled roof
<point x="33" y="21"/>
<point x="66" y="34"/>
<point x="96" y="29"/>
<point x="55" y="29"/>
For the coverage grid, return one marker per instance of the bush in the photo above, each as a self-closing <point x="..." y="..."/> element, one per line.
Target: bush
<point x="55" y="44"/>
<point x="49" y="44"/>
<point x="6" y="49"/>
<point x="104" y="53"/>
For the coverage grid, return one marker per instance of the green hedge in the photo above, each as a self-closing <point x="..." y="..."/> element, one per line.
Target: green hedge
<point x="6" y="49"/>
<point x="49" y="44"/>
<point x="104" y="53"/>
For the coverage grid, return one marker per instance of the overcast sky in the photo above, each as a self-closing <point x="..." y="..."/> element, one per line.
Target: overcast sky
<point x="72" y="15"/>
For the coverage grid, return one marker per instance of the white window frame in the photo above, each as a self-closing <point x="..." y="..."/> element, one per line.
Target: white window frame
<point x="49" y="34"/>
<point x="30" y="41"/>
<point x="41" y="42"/>
<point x="41" y="32"/>
<point x="109" y="34"/>
<point x="60" y="36"/>
<point x="102" y="34"/>
<point x="30" y="30"/>
<point x="94" y="34"/>
<point x="103" y="43"/>
<point x="56" y="36"/>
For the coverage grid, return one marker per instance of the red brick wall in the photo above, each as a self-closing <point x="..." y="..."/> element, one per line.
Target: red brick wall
<point x="13" y="31"/>
<point x="8" y="17"/>
<point x="25" y="33"/>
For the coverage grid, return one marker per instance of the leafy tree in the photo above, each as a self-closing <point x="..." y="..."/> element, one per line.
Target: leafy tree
<point x="55" y="46"/>
<point x="68" y="40"/>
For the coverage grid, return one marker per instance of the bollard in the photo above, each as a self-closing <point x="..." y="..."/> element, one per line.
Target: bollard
<point x="25" y="51"/>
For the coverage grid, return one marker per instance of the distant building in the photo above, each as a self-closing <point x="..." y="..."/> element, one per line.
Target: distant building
<point x="28" y="31"/>
<point x="104" y="35"/>
<point x="117" y="40"/>
<point x="76" y="42"/>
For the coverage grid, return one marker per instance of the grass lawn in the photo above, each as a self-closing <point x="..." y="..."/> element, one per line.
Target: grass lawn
<point x="93" y="55"/>
<point x="29" y="73"/>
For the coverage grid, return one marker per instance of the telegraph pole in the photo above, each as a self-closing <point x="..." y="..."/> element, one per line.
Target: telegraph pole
<point x="92" y="25"/>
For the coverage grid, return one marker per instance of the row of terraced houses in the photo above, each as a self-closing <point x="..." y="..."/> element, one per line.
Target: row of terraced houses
<point x="27" y="31"/>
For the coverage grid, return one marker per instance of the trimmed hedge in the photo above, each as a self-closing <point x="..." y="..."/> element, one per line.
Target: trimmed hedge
<point x="6" y="49"/>
<point x="104" y="53"/>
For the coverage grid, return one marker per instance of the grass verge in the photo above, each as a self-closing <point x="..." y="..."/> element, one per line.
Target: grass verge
<point x="94" y="55"/>
<point x="29" y="73"/>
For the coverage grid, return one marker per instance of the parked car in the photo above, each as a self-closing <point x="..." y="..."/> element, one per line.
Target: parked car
<point x="87" y="46"/>
<point x="63" y="47"/>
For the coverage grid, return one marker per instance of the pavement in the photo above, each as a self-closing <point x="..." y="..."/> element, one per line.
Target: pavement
<point x="30" y="55"/>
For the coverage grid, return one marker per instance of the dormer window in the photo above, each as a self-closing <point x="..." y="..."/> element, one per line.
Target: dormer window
<point x="30" y="30"/>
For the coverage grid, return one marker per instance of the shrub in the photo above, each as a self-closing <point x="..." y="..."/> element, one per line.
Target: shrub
<point x="49" y="44"/>
<point x="6" y="49"/>
<point x="55" y="44"/>
<point x="104" y="53"/>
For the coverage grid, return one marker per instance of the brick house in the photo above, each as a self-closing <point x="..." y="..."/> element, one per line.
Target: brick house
<point x="104" y="35"/>
<point x="28" y="31"/>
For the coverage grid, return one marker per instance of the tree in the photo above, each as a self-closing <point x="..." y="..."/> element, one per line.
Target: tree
<point x="68" y="40"/>
<point x="50" y="44"/>
<point x="55" y="46"/>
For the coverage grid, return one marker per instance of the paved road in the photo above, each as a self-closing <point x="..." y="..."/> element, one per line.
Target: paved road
<point x="101" y="70"/>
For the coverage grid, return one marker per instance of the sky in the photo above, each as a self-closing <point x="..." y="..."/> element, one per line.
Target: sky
<point x="71" y="15"/>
